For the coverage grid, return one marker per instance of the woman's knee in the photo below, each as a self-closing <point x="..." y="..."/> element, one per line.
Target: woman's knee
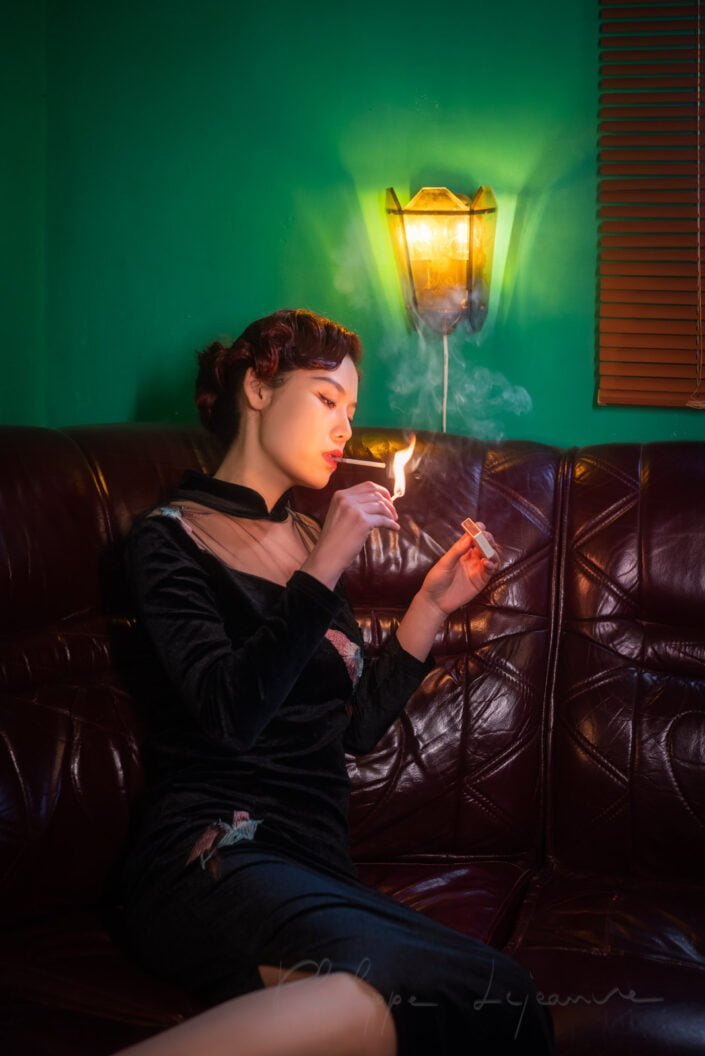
<point x="348" y="1011"/>
<point x="272" y="976"/>
<point x="367" y="1012"/>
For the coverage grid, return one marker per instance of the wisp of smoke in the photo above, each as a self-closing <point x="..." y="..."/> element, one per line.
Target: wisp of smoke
<point x="478" y="398"/>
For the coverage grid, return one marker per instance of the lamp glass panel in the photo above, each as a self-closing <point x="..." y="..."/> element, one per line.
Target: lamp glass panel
<point x="483" y="226"/>
<point x="437" y="226"/>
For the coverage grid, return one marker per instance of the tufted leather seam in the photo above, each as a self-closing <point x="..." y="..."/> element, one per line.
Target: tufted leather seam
<point x="598" y="576"/>
<point x="517" y="570"/>
<point x="608" y="469"/>
<point x="521" y="505"/>
<point x="509" y="900"/>
<point x="669" y="755"/>
<point x="492" y="765"/>
<point x="481" y="798"/>
<point x="612" y="808"/>
<point x="598" y="680"/>
<point x="518" y="452"/>
<point x="483" y="803"/>
<point x="17" y="770"/>
<point x="513" y="676"/>
<point x="624" y="955"/>
<point x="507" y="636"/>
<point x="460" y="768"/>
<point x="636" y="695"/>
<point x="604" y="520"/>
<point x="564" y="479"/>
<point x="526" y="909"/>
<point x="85" y="719"/>
<point x="405" y="814"/>
<point x="99" y="484"/>
<point x="590" y="750"/>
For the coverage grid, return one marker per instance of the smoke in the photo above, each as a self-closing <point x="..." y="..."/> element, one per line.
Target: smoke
<point x="479" y="399"/>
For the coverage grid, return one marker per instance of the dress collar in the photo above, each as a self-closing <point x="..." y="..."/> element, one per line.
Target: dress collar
<point x="229" y="498"/>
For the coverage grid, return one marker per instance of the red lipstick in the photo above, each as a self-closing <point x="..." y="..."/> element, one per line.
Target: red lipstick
<point x="332" y="457"/>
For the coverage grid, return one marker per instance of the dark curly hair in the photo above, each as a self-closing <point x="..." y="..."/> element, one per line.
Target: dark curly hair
<point x="286" y="340"/>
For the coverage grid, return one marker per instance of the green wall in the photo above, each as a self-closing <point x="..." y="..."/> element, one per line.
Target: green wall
<point x="22" y="203"/>
<point x="208" y="161"/>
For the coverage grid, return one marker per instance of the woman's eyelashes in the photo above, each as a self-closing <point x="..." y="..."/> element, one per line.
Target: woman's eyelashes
<point x="330" y="403"/>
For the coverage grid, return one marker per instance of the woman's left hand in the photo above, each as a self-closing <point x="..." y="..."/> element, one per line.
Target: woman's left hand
<point x="460" y="574"/>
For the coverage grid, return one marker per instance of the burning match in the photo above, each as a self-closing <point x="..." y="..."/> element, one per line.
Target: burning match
<point x="398" y="466"/>
<point x="479" y="536"/>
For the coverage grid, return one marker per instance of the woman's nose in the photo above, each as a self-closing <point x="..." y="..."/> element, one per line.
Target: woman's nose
<point x="344" y="431"/>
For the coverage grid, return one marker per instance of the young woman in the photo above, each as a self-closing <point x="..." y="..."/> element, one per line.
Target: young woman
<point x="239" y="883"/>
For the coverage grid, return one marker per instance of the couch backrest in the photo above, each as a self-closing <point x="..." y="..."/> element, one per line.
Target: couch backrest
<point x="70" y="755"/>
<point x="628" y="770"/>
<point x="464" y="773"/>
<point x="460" y="774"/>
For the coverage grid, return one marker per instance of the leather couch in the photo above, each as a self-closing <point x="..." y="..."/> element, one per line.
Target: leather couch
<point x="544" y="789"/>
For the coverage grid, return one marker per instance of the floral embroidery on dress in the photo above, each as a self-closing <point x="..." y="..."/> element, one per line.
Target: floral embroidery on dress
<point x="221" y="834"/>
<point x="350" y="652"/>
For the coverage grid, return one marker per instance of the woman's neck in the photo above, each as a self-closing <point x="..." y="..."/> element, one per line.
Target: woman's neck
<point x="248" y="469"/>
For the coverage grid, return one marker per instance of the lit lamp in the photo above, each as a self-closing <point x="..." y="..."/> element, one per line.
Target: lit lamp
<point x="443" y="244"/>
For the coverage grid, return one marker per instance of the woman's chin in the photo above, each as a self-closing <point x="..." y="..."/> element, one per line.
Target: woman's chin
<point x="312" y="480"/>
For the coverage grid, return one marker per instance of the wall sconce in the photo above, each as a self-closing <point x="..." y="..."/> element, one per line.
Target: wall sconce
<point x="444" y="243"/>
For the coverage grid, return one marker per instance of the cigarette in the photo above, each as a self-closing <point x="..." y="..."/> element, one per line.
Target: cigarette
<point x="363" y="462"/>
<point x="479" y="536"/>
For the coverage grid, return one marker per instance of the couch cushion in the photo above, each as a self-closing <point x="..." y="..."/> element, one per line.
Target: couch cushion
<point x="460" y="771"/>
<point x="64" y="981"/>
<point x="481" y="899"/>
<point x="69" y="756"/>
<point x="48" y="501"/>
<point x="621" y="962"/>
<point x="628" y="777"/>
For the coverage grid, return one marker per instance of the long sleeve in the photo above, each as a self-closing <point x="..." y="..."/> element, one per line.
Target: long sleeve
<point x="231" y="682"/>
<point x="384" y="688"/>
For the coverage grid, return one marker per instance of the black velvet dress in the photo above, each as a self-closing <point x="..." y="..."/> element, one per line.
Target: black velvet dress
<point x="241" y="852"/>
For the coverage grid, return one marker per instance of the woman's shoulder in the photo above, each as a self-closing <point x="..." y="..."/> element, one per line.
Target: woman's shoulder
<point x="161" y="528"/>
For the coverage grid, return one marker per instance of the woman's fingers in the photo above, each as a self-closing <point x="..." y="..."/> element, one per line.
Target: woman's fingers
<point x="460" y="548"/>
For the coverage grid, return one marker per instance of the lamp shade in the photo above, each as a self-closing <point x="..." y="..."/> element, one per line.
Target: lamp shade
<point x="444" y="244"/>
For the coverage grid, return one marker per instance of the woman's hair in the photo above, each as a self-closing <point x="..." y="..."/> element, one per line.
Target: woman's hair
<point x="287" y="340"/>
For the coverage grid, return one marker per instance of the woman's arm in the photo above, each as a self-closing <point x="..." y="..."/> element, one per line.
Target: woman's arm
<point x="231" y="685"/>
<point x="420" y="625"/>
<point x="392" y="677"/>
<point x="387" y="682"/>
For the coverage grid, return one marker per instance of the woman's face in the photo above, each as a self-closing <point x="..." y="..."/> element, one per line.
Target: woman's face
<point x="307" y="421"/>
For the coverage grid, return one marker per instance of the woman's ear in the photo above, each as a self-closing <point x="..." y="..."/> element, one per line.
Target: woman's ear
<point x="256" y="392"/>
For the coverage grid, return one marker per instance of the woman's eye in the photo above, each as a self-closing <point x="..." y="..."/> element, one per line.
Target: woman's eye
<point x="328" y="403"/>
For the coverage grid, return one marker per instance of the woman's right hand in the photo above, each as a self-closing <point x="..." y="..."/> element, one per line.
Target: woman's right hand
<point x="352" y="514"/>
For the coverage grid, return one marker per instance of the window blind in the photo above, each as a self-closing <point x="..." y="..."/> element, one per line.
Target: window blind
<point x="650" y="193"/>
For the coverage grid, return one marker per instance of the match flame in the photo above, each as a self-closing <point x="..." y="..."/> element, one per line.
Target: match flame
<point x="400" y="460"/>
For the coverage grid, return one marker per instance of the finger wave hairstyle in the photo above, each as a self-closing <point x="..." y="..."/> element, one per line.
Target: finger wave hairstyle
<point x="286" y="340"/>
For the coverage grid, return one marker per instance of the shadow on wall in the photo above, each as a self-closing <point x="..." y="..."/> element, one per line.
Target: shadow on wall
<point x="166" y="395"/>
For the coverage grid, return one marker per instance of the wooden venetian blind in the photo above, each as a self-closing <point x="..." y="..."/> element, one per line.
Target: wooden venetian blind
<point x="650" y="203"/>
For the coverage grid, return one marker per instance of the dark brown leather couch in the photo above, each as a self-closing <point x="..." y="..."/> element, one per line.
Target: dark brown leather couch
<point x="544" y="789"/>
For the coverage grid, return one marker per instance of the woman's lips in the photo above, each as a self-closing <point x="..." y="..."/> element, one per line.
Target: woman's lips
<point x="331" y="461"/>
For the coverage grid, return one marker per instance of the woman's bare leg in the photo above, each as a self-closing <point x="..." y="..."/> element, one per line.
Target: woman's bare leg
<point x="312" y="1016"/>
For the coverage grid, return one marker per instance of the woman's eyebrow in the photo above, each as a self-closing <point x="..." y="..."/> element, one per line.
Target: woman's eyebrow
<point x="331" y="381"/>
